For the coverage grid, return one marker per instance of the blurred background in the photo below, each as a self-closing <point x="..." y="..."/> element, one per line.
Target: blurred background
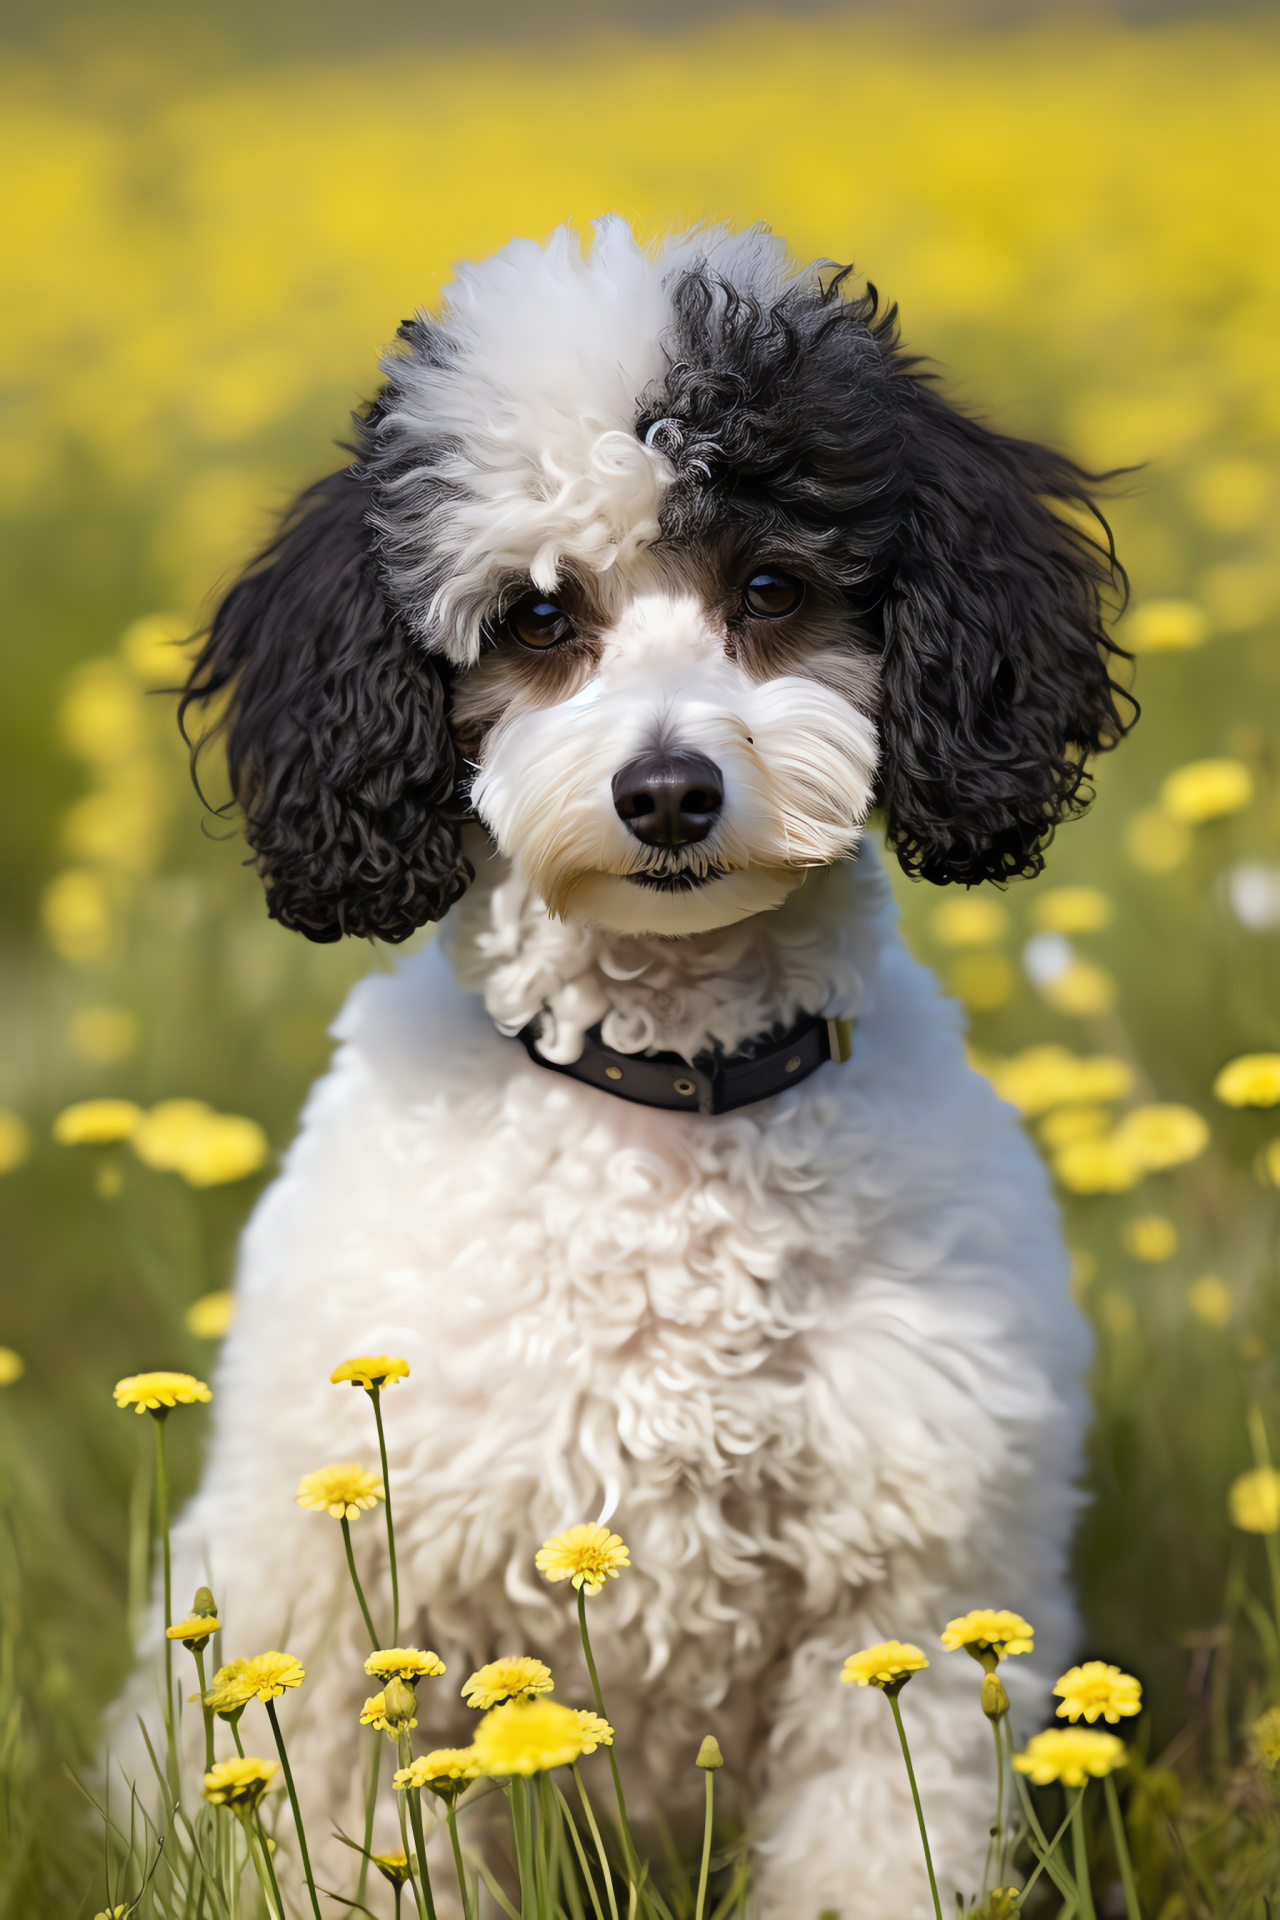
<point x="218" y="215"/>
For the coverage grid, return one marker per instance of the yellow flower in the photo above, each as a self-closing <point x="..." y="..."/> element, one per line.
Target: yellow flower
<point x="374" y="1714"/>
<point x="1071" y="910"/>
<point x="392" y="1866"/>
<point x="993" y="1628"/>
<point x="1163" y="1136"/>
<point x="1264" y="1737"/>
<point x="267" y="1675"/>
<point x="515" y="1678"/>
<point x="1097" y="1690"/>
<point x="1042" y="1077"/>
<point x="344" y="1492"/>
<point x="1150" y="1237"/>
<point x="76" y="913"/>
<point x="1254" y="1500"/>
<point x="1206" y="790"/>
<point x="194" y="1630"/>
<point x="969" y="920"/>
<point x="230" y="1691"/>
<point x="1065" y="1125"/>
<point x="528" y="1736"/>
<point x="595" y="1731"/>
<point x="1267" y="1164"/>
<point x="158" y="1392"/>
<point x="15" y="1141"/>
<point x="880" y="1666"/>
<point x="445" y="1771"/>
<point x="983" y="981"/>
<point x="1166" y="626"/>
<point x="150" y="647"/>
<point x="587" y="1555"/>
<point x="12" y="1367"/>
<point x="207" y="1149"/>
<point x="1082" y="989"/>
<point x="1155" y="843"/>
<point x="210" y="1317"/>
<point x="1210" y="1300"/>
<point x="404" y="1663"/>
<point x="1251" y="1080"/>
<point x="1096" y="1166"/>
<point x="96" y="1122"/>
<point x="239" y="1783"/>
<point x="371" y="1371"/>
<point x="116" y="1913"/>
<point x="1071" y="1755"/>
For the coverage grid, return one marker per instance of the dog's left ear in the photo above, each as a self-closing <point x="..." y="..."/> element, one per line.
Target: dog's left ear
<point x="996" y="670"/>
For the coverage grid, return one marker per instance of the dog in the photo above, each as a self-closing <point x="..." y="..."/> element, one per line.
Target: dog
<point x="653" y="572"/>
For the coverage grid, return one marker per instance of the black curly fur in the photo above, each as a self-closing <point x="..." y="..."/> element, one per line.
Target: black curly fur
<point x="801" y="429"/>
<point x="336" y="730"/>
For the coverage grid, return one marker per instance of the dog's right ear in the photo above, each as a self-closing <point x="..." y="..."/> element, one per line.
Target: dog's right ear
<point x="337" y="740"/>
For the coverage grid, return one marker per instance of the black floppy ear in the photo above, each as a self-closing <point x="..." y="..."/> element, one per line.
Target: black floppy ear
<point x="337" y="742"/>
<point x="997" y="680"/>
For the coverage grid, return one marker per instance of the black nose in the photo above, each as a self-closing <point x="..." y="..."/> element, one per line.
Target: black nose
<point x="669" y="799"/>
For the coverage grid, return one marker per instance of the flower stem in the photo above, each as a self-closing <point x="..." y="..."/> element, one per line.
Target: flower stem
<point x="391" y="1531"/>
<point x="355" y="1581"/>
<point x="605" y="1869"/>
<point x="162" y="1526"/>
<point x="1080" y="1857"/>
<point x="995" y="1851"/>
<point x="458" y="1861"/>
<point x="297" y="1810"/>
<point x="414" y="1797"/>
<point x="254" y="1840"/>
<point x="1127" y="1881"/>
<point x="198" y="1652"/>
<point x="628" y="1846"/>
<point x="915" y="1795"/>
<point x="706" y="1844"/>
<point x="370" y="1807"/>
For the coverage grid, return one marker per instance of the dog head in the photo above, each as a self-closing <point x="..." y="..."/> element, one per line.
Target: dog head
<point x="669" y="566"/>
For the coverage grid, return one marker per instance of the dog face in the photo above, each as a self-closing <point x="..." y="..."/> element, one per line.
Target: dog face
<point x="667" y="566"/>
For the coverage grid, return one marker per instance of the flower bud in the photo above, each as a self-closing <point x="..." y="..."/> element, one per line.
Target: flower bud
<point x="995" y="1701"/>
<point x="400" y="1702"/>
<point x="709" y="1755"/>
<point x="204" y="1606"/>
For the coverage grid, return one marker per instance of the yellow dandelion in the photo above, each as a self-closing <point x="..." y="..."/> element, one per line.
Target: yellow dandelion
<point x="1251" y="1080"/>
<point x="1160" y="1136"/>
<point x="1264" y="1738"/>
<point x="374" y="1714"/>
<point x="1101" y="1165"/>
<point x="969" y="920"/>
<point x="1071" y="1755"/>
<point x="515" y="1678"/>
<point x="207" y="1149"/>
<point x="210" y="1317"/>
<point x="371" y="1371"/>
<point x="1081" y="989"/>
<point x="1267" y="1164"/>
<point x="96" y="1123"/>
<point x="12" y="1367"/>
<point x="1206" y="790"/>
<point x="595" y="1731"/>
<point x="587" y="1555"/>
<point x="392" y="1866"/>
<point x="1166" y="626"/>
<point x="239" y="1783"/>
<point x="117" y="1913"/>
<point x="15" y="1141"/>
<point x="528" y="1736"/>
<point x="446" y="1771"/>
<point x="230" y="1692"/>
<point x="1254" y="1501"/>
<point x="890" y="1663"/>
<point x="1150" y="1237"/>
<point x="266" y="1675"/>
<point x="1065" y="1125"/>
<point x="984" y="981"/>
<point x="1072" y="910"/>
<point x="1211" y="1300"/>
<point x="992" y="1629"/>
<point x="194" y="1630"/>
<point x="404" y="1663"/>
<point x="158" y="1392"/>
<point x="1051" y="1076"/>
<point x="1095" y="1691"/>
<point x="344" y="1492"/>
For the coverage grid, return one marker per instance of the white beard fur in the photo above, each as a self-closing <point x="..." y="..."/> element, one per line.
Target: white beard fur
<point x="815" y="1360"/>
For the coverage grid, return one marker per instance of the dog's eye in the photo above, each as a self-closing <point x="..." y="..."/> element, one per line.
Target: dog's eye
<point x="539" y="622"/>
<point x="771" y="595"/>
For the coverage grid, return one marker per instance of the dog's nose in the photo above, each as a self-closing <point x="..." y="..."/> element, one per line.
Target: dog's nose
<point x="669" y="799"/>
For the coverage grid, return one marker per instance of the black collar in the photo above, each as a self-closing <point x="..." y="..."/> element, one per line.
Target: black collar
<point x="717" y="1082"/>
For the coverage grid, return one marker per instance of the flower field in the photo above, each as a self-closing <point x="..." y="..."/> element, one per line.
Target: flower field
<point x="1082" y="224"/>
